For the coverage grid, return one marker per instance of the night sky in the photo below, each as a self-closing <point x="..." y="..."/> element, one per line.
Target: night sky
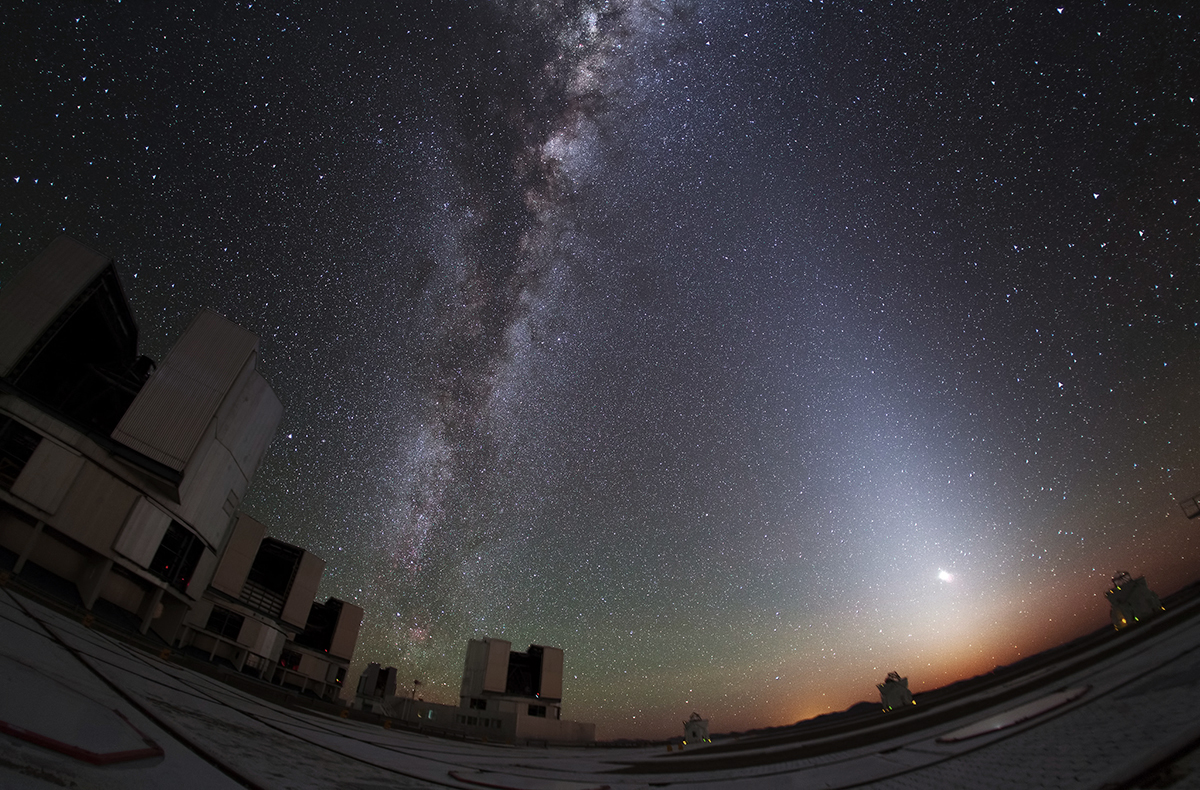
<point x="746" y="351"/>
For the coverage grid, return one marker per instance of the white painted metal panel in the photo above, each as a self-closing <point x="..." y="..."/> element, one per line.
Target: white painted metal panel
<point x="95" y="509"/>
<point x="250" y="632"/>
<point x="495" y="678"/>
<point x="143" y="531"/>
<point x="190" y="479"/>
<point x="208" y="489"/>
<point x="48" y="475"/>
<point x="202" y="574"/>
<point x="304" y="589"/>
<point x="213" y="350"/>
<point x="474" y="668"/>
<point x="552" y="673"/>
<point x="172" y="411"/>
<point x="239" y="556"/>
<point x="168" y="417"/>
<point x="248" y="422"/>
<point x="270" y="643"/>
<point x="32" y="300"/>
<point x="345" y="636"/>
<point x="312" y="667"/>
<point x="197" y="616"/>
<point x="368" y="680"/>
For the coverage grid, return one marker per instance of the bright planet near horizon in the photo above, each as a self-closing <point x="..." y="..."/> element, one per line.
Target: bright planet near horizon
<point x="684" y="336"/>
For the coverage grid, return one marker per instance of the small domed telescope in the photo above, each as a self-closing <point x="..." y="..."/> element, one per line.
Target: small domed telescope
<point x="894" y="693"/>
<point x="1131" y="601"/>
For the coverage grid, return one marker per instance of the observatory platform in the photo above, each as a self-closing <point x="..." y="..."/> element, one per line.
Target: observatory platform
<point x="82" y="708"/>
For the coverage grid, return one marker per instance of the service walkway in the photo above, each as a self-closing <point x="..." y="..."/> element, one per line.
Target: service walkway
<point x="80" y="709"/>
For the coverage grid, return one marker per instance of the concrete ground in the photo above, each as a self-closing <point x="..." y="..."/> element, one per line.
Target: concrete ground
<point x="83" y="709"/>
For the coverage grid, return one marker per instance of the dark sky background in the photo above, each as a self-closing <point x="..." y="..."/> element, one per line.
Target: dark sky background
<point x="747" y="351"/>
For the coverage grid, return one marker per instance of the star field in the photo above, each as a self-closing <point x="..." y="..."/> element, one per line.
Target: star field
<point x="746" y="351"/>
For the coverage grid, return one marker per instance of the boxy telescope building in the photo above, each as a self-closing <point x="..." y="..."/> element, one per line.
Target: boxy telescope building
<point x="118" y="475"/>
<point x="524" y="688"/>
<point x="124" y="478"/>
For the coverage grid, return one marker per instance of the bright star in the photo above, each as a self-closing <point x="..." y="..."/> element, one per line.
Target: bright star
<point x="945" y="576"/>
